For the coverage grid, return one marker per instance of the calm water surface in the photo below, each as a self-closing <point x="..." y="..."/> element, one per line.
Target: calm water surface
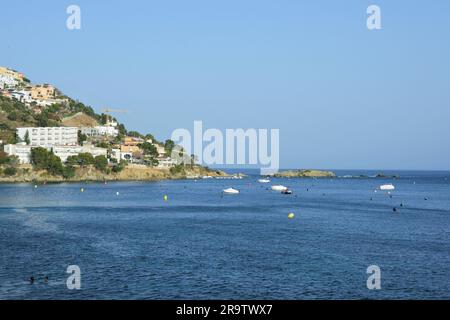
<point x="202" y="245"/>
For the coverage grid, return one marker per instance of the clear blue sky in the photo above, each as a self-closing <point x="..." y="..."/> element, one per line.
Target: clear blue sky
<point x="341" y="95"/>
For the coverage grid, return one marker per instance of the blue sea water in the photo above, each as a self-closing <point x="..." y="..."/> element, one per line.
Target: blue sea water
<point x="201" y="244"/>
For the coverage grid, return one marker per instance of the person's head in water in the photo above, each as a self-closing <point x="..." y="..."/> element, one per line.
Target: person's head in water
<point x="31" y="279"/>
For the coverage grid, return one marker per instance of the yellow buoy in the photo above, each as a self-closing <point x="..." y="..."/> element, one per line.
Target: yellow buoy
<point x="82" y="190"/>
<point x="291" y="215"/>
<point x="165" y="197"/>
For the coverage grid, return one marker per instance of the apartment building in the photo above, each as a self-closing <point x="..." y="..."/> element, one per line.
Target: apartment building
<point x="100" y="131"/>
<point x="63" y="152"/>
<point x="49" y="136"/>
<point x="20" y="150"/>
<point x="165" y="162"/>
<point x="23" y="151"/>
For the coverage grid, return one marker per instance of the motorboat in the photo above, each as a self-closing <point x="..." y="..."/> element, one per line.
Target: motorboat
<point x="264" y="180"/>
<point x="231" y="191"/>
<point x="279" y="188"/>
<point x="387" y="187"/>
<point x="287" y="191"/>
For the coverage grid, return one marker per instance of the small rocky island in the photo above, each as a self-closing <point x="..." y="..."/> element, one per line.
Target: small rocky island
<point x="305" y="174"/>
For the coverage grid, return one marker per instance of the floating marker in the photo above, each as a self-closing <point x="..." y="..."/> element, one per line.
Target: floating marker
<point x="117" y="193"/>
<point x="82" y="190"/>
<point x="165" y="197"/>
<point x="291" y="215"/>
<point x="35" y="186"/>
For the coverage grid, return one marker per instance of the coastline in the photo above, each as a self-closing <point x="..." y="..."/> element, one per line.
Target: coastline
<point x="131" y="172"/>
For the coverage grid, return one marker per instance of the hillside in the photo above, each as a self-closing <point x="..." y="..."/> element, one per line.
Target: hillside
<point x="111" y="154"/>
<point x="14" y="114"/>
<point x="79" y="120"/>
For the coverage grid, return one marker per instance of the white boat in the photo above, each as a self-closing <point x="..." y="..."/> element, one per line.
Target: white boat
<point x="230" y="191"/>
<point x="264" y="180"/>
<point x="279" y="188"/>
<point x="387" y="187"/>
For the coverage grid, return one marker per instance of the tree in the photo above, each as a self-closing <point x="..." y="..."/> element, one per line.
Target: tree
<point x="39" y="158"/>
<point x="149" y="149"/>
<point x="81" y="137"/>
<point x="12" y="116"/>
<point x="10" y="171"/>
<point x="42" y="119"/>
<point x="118" y="167"/>
<point x="85" y="159"/>
<point x="122" y="129"/>
<point x="68" y="172"/>
<point x="27" y="138"/>
<point x="101" y="163"/>
<point x="168" y="146"/>
<point x="104" y="118"/>
<point x="46" y="160"/>
<point x="149" y="136"/>
<point x="4" y="159"/>
<point x="134" y="134"/>
<point x="54" y="165"/>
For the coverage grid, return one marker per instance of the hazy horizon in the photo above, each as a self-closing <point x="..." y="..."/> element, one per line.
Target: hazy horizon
<point x="342" y="96"/>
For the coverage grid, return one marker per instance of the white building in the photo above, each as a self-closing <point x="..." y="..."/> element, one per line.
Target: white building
<point x="100" y="131"/>
<point x="116" y="154"/>
<point x="165" y="162"/>
<point x="7" y="81"/>
<point x="21" y="150"/>
<point x="21" y="95"/>
<point x="63" y="152"/>
<point x="161" y="150"/>
<point x="50" y="136"/>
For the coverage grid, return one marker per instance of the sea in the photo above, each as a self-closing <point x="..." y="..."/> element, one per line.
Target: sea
<point x="129" y="241"/>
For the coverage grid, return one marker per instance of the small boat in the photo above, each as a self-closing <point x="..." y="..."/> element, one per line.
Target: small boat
<point x="287" y="191"/>
<point x="230" y="191"/>
<point x="386" y="187"/>
<point x="279" y="188"/>
<point x="263" y="180"/>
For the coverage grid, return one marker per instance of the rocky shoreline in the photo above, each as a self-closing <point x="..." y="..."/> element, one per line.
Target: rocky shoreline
<point x="305" y="173"/>
<point x="130" y="173"/>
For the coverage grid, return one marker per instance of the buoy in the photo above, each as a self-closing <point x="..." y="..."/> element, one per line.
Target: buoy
<point x="291" y="215"/>
<point x="82" y="190"/>
<point x="117" y="193"/>
<point x="165" y="197"/>
<point x="35" y="186"/>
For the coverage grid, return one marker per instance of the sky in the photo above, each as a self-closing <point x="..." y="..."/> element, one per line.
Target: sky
<point x="342" y="96"/>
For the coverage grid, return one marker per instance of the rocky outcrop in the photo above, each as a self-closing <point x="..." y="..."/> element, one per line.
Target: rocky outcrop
<point x="305" y="174"/>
